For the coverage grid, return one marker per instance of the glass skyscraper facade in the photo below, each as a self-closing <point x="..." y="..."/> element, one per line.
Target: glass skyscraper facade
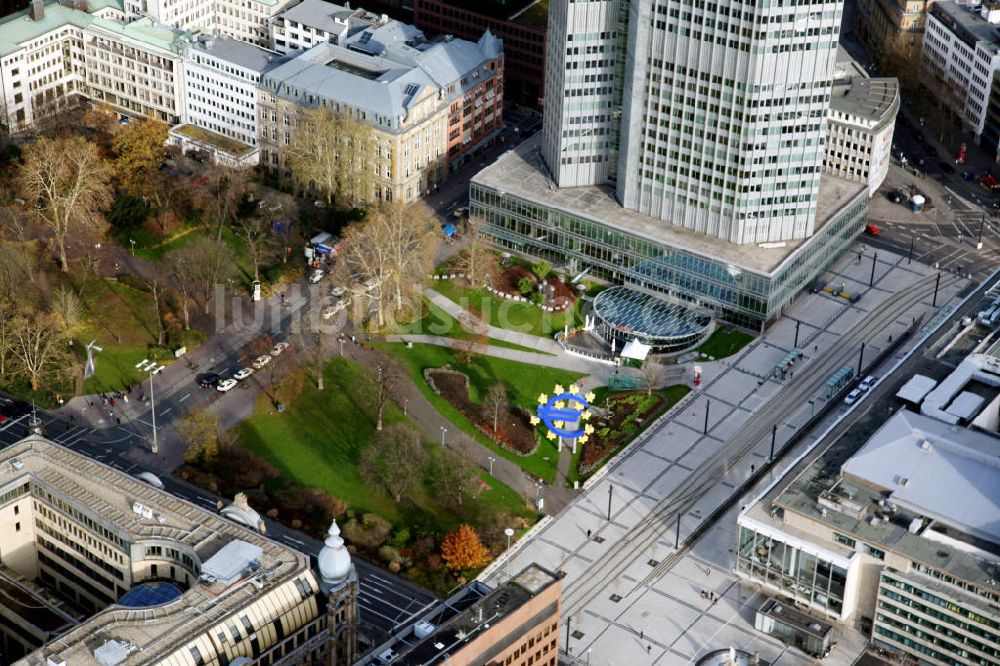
<point x="706" y="115"/>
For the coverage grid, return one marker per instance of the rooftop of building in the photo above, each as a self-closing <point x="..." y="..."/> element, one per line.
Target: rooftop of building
<point x="873" y="100"/>
<point x="966" y="21"/>
<point x="512" y="10"/>
<point x="146" y="31"/>
<point x="898" y="494"/>
<point x="19" y="27"/>
<point x="236" y="52"/>
<point x="330" y="17"/>
<point x="461" y="619"/>
<point x="521" y="173"/>
<point x="384" y="77"/>
<point x="135" y="511"/>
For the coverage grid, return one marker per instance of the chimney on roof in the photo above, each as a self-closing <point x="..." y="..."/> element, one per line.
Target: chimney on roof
<point x="80" y="5"/>
<point x="36" y="10"/>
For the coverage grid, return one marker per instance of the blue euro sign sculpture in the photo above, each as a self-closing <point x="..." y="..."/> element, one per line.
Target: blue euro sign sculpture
<point x="549" y="414"/>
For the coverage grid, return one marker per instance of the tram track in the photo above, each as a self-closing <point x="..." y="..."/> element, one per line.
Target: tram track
<point x="661" y="518"/>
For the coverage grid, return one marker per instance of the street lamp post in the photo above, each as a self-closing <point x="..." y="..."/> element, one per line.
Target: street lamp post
<point x="132" y="243"/>
<point x="979" y="243"/>
<point x="492" y="460"/>
<point x="406" y="401"/>
<point x="506" y="565"/>
<point x="153" y="369"/>
<point x="443" y="432"/>
<point x="611" y="489"/>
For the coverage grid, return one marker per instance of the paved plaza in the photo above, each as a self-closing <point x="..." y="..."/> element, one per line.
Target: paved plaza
<point x="631" y="610"/>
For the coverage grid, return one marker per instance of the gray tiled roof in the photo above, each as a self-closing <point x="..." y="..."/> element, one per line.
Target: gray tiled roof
<point x="236" y="52"/>
<point x="384" y="85"/>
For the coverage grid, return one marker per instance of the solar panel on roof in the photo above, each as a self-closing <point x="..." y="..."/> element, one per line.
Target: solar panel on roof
<point x="411" y="89"/>
<point x="149" y="594"/>
<point x="365" y="37"/>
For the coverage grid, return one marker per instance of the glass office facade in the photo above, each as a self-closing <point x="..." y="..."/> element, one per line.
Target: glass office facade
<point x="787" y="569"/>
<point x="936" y="628"/>
<point x="737" y="295"/>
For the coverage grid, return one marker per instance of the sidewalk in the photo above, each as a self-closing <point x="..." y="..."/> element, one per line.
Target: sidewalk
<point x="546" y="345"/>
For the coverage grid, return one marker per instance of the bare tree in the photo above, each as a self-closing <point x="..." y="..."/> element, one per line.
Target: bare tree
<point x="7" y="322"/>
<point x="221" y="194"/>
<point x="331" y="155"/>
<point x="155" y="279"/>
<point x="652" y="375"/>
<point x="496" y="400"/>
<point x="38" y="349"/>
<point x="394" y="460"/>
<point x="387" y="253"/>
<point x="69" y="183"/>
<point x="254" y="231"/>
<point x="380" y="388"/>
<point x="200" y="266"/>
<point x="15" y="268"/>
<point x="454" y="478"/>
<point x="66" y="308"/>
<point x="477" y="260"/>
<point x="312" y="341"/>
<point x="89" y="265"/>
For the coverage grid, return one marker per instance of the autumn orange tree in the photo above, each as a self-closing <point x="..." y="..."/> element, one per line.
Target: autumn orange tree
<point x="462" y="549"/>
<point x="139" y="152"/>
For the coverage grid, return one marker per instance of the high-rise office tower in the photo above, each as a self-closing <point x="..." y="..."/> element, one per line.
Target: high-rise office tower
<point x="709" y="116"/>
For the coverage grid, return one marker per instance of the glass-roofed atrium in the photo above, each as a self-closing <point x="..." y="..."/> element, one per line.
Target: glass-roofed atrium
<point x="625" y="314"/>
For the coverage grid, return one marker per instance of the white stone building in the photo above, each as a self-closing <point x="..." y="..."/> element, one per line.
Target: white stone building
<point x="136" y="67"/>
<point x="311" y="22"/>
<point x="246" y="20"/>
<point x="42" y="58"/>
<point x="221" y="76"/>
<point x="860" y="124"/>
<point x="961" y="52"/>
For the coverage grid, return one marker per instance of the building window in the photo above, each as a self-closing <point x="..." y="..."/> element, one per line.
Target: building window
<point x="846" y="540"/>
<point x="874" y="552"/>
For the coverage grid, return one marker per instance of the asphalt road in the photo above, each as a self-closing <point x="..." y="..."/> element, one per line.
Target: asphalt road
<point x="384" y="600"/>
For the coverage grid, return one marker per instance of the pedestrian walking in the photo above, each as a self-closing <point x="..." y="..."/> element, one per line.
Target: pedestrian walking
<point x="588" y="534"/>
<point x="641" y="634"/>
<point x="119" y="420"/>
<point x="649" y="649"/>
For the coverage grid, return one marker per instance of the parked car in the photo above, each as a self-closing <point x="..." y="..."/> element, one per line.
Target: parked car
<point x="867" y="383"/>
<point x="853" y="396"/>
<point x="242" y="374"/>
<point x="316" y="276"/>
<point x="225" y="385"/>
<point x="208" y="380"/>
<point x="278" y="348"/>
<point x="151" y="479"/>
<point x="261" y="361"/>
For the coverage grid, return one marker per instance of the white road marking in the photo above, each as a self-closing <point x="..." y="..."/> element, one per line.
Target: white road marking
<point x="186" y="396"/>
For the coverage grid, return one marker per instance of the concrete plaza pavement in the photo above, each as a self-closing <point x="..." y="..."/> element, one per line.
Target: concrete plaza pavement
<point x="625" y="556"/>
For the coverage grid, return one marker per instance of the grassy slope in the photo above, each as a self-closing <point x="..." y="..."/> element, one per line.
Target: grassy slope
<point x="523" y="317"/>
<point x="318" y="439"/>
<point x="524" y="384"/>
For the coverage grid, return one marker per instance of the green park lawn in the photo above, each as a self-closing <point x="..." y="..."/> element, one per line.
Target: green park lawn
<point x="188" y="235"/>
<point x="524" y="384"/>
<point x="522" y="317"/>
<point x="122" y="321"/>
<point x="436" y="321"/>
<point x="319" y="437"/>
<point x="725" y="342"/>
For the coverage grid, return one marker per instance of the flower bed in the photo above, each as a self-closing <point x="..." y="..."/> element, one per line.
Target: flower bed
<point x="628" y="412"/>
<point x="514" y="430"/>
<point x="508" y="284"/>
